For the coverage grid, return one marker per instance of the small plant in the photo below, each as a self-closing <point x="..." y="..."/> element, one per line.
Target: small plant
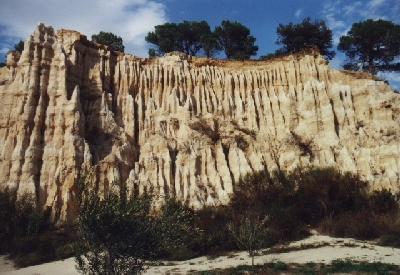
<point x="280" y="266"/>
<point x="203" y="127"/>
<point x="305" y="145"/>
<point x="346" y="266"/>
<point x="392" y="240"/>
<point x="305" y="270"/>
<point x="241" y="142"/>
<point x="250" y="235"/>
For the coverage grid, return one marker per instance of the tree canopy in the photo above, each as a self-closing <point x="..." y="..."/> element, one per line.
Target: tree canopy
<point x="295" y="37"/>
<point x="19" y="47"/>
<point x="192" y="33"/>
<point x="109" y="39"/>
<point x="210" y="44"/>
<point x="191" y="37"/>
<point x="117" y="232"/>
<point x="235" y="40"/>
<point x="372" y="46"/>
<point x="165" y="37"/>
<point x="188" y="37"/>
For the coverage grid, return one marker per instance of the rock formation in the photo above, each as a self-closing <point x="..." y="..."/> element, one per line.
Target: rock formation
<point x="181" y="125"/>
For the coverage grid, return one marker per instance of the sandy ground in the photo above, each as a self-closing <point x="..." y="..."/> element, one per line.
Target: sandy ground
<point x="317" y="249"/>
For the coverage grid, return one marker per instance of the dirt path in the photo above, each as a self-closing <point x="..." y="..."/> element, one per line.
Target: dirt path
<point x="317" y="249"/>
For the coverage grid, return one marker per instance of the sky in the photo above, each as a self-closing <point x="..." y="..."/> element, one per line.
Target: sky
<point x="133" y="19"/>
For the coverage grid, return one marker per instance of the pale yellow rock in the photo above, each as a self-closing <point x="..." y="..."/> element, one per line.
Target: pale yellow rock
<point x="183" y="126"/>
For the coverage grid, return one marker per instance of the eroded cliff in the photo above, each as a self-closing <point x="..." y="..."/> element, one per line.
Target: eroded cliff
<point x="187" y="126"/>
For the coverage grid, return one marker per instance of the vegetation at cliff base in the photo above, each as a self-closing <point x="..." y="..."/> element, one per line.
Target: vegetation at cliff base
<point x="251" y="234"/>
<point x="23" y="228"/>
<point x="20" y="215"/>
<point x="335" y="267"/>
<point x="117" y="231"/>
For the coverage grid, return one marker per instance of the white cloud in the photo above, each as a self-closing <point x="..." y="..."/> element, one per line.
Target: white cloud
<point x="392" y="77"/>
<point x="352" y="8"/>
<point x="332" y="14"/>
<point x="375" y="3"/>
<point x="331" y="11"/>
<point x="130" y="19"/>
<point x="340" y="16"/>
<point x="298" y="13"/>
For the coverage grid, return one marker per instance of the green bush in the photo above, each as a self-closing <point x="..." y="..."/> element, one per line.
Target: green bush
<point x="21" y="217"/>
<point x="270" y="195"/>
<point x="346" y="266"/>
<point x="51" y="245"/>
<point x="392" y="236"/>
<point x="117" y="232"/>
<point x="362" y="225"/>
<point x="114" y="232"/>
<point x="383" y="201"/>
<point x="326" y="192"/>
<point x="29" y="251"/>
<point x="215" y="238"/>
<point x="176" y="232"/>
<point x="337" y="203"/>
<point x="280" y="266"/>
<point x="392" y="240"/>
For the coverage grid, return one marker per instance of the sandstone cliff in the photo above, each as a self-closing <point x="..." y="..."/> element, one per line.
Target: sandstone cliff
<point x="187" y="126"/>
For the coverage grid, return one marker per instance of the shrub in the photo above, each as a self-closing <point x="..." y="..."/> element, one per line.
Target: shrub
<point x="338" y="203"/>
<point x="176" y="231"/>
<point x="341" y="266"/>
<point x="117" y="233"/>
<point x="272" y="195"/>
<point x="280" y="266"/>
<point x="114" y="233"/>
<point x="251" y="234"/>
<point x="20" y="215"/>
<point x="7" y="217"/>
<point x="360" y="225"/>
<point x="326" y="192"/>
<point x="390" y="240"/>
<point x="214" y="238"/>
<point x="382" y="201"/>
<point x="392" y="235"/>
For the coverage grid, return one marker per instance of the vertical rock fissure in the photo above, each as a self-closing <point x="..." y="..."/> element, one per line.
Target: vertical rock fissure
<point x="173" y="155"/>
<point x="335" y="119"/>
<point x="225" y="150"/>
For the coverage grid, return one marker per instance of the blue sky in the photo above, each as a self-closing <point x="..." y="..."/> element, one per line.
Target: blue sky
<point x="133" y="19"/>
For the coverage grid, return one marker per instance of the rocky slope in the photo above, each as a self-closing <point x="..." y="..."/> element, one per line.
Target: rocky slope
<point x="181" y="125"/>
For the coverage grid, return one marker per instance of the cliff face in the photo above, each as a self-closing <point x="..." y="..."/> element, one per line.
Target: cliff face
<point x="187" y="126"/>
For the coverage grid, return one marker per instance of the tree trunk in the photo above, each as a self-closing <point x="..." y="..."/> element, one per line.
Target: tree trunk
<point x="371" y="64"/>
<point x="110" y="261"/>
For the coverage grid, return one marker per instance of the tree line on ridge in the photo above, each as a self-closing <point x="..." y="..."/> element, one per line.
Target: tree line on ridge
<point x="371" y="45"/>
